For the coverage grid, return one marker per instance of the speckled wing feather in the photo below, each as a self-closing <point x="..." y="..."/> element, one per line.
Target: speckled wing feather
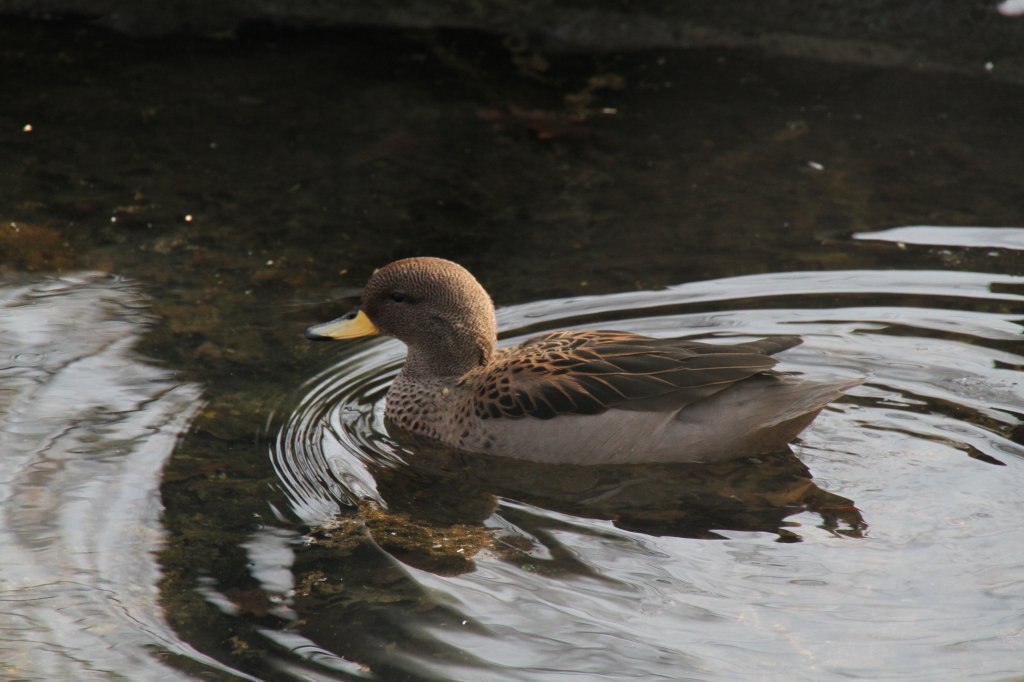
<point x="590" y="372"/>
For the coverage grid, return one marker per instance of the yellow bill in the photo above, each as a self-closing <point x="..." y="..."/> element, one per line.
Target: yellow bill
<point x="351" y="325"/>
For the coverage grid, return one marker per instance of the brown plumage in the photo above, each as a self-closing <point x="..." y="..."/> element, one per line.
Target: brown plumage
<point x="572" y="396"/>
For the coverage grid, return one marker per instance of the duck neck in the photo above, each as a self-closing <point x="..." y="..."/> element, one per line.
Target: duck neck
<point x="447" y="359"/>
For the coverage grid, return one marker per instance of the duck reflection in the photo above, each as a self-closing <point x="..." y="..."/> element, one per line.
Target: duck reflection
<point x="441" y="507"/>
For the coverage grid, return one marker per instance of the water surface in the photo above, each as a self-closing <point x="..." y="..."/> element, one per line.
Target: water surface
<point x="191" y="490"/>
<point x="866" y="563"/>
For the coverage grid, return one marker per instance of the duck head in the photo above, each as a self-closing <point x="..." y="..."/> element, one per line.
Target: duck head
<point x="434" y="306"/>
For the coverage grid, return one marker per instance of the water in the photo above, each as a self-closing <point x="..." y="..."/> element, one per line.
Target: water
<point x="893" y="561"/>
<point x="86" y="427"/>
<point x="191" y="490"/>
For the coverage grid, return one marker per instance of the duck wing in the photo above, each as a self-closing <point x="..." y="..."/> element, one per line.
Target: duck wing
<point x="591" y="372"/>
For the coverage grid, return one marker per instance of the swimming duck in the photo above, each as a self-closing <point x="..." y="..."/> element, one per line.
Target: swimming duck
<point x="579" y="397"/>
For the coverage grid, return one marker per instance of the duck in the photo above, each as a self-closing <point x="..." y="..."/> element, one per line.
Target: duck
<point x="572" y="397"/>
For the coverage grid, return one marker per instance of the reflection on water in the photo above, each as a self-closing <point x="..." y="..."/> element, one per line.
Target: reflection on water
<point x="473" y="567"/>
<point x="85" y="428"/>
<point x="300" y="540"/>
<point x="378" y="557"/>
<point x="1010" y="238"/>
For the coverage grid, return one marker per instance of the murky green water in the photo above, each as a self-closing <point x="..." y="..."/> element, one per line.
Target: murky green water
<point x="190" y="489"/>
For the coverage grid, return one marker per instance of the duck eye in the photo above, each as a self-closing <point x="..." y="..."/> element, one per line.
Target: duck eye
<point x="398" y="297"/>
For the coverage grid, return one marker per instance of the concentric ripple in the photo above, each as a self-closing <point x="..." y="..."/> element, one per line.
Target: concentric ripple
<point x="323" y="451"/>
<point x="477" y="568"/>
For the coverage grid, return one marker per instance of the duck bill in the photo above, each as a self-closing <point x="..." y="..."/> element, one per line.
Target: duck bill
<point x="352" y="325"/>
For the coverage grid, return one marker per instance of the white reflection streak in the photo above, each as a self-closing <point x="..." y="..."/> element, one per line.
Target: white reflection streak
<point x="1011" y="8"/>
<point x="1009" y="238"/>
<point x="949" y="283"/>
<point x="85" y="429"/>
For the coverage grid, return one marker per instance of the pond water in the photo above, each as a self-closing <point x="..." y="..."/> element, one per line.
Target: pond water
<point x="190" y="490"/>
